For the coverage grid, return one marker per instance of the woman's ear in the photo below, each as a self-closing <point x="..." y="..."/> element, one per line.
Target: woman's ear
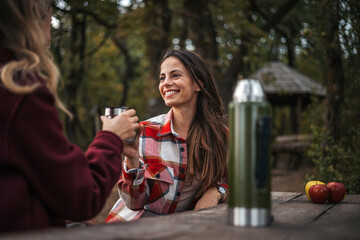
<point x="197" y="88"/>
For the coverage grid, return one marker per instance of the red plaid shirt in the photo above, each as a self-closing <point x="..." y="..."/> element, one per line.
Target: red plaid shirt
<point x="157" y="185"/>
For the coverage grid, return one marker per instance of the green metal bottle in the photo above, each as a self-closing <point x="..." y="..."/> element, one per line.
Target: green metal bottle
<point x="249" y="166"/>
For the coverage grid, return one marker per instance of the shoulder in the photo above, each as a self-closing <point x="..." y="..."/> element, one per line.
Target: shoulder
<point x="41" y="95"/>
<point x="34" y="102"/>
<point x="37" y="106"/>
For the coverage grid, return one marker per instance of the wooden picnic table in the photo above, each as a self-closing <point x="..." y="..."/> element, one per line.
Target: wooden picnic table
<point x="295" y="217"/>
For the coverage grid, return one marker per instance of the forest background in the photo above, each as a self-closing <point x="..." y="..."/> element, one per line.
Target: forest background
<point x="108" y="52"/>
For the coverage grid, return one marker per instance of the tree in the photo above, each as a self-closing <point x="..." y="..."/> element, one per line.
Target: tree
<point x="76" y="19"/>
<point x="109" y="52"/>
<point x="334" y="74"/>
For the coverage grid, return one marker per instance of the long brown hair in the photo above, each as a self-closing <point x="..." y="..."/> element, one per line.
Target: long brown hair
<point x="21" y="32"/>
<point x="207" y="140"/>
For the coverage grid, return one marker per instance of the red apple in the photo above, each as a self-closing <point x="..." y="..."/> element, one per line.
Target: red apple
<point x="319" y="193"/>
<point x="337" y="192"/>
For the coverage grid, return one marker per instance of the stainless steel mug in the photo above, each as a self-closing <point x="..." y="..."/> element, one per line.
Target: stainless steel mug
<point x="249" y="166"/>
<point x="111" y="112"/>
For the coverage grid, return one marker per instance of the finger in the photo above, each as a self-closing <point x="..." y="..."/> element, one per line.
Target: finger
<point x="130" y="112"/>
<point x="134" y="119"/>
<point x="134" y="126"/>
<point x="103" y="118"/>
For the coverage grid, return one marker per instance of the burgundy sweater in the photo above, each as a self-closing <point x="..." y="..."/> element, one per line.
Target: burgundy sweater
<point x="44" y="179"/>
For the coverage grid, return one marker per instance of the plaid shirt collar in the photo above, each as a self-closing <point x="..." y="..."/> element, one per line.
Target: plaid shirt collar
<point x="167" y="125"/>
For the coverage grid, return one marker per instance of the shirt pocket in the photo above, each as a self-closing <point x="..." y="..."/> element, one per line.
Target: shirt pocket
<point x="157" y="171"/>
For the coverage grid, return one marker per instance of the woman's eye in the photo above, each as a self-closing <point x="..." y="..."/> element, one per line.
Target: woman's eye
<point x="162" y="78"/>
<point x="176" y="75"/>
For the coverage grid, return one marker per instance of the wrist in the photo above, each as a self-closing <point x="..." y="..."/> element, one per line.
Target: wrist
<point x="132" y="163"/>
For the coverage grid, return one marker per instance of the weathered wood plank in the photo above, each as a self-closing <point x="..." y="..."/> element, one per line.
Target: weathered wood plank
<point x="282" y="197"/>
<point x="299" y="211"/>
<point x="295" y="218"/>
<point x="201" y="224"/>
<point x="342" y="221"/>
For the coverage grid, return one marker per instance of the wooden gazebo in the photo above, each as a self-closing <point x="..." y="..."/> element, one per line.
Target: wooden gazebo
<point x="286" y="86"/>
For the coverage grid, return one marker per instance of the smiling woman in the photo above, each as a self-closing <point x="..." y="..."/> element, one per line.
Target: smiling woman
<point x="182" y="154"/>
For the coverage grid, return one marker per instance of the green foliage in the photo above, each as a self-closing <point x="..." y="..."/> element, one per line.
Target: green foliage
<point x="335" y="161"/>
<point x="312" y="115"/>
<point x="248" y="34"/>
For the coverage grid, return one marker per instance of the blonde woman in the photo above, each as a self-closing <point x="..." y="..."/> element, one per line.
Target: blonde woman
<point x="44" y="179"/>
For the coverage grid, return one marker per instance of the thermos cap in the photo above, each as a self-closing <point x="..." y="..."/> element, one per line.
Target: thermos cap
<point x="248" y="90"/>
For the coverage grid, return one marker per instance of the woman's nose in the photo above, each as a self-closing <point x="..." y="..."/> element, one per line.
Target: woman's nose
<point x="167" y="80"/>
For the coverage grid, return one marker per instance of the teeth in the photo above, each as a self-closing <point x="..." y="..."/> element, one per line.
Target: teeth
<point x="170" y="92"/>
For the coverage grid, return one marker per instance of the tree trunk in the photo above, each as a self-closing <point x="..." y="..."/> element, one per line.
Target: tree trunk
<point x="157" y="21"/>
<point x="76" y="75"/>
<point x="129" y="72"/>
<point x="201" y="29"/>
<point x="237" y="65"/>
<point x="334" y="75"/>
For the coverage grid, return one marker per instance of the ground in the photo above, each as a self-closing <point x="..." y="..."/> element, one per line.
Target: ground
<point x="282" y="181"/>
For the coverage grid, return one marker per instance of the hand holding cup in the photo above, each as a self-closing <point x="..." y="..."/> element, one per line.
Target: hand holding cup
<point x="131" y="152"/>
<point x="124" y="125"/>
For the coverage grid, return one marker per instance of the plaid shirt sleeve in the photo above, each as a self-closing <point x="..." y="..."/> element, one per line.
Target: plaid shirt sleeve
<point x="132" y="186"/>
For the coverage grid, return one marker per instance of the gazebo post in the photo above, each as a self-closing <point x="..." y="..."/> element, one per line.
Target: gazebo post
<point x="296" y="115"/>
<point x="294" y="119"/>
<point x="299" y="113"/>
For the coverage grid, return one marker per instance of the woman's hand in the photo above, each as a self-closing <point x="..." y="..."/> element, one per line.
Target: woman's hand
<point x="131" y="151"/>
<point x="123" y="125"/>
<point x="209" y="199"/>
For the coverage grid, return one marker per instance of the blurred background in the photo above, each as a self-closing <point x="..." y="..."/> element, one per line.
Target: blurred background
<point x="305" y="53"/>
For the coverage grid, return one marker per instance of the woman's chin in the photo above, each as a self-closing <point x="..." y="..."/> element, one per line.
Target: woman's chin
<point x="169" y="103"/>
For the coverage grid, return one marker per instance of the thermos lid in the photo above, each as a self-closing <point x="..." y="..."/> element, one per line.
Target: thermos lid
<point x="248" y="90"/>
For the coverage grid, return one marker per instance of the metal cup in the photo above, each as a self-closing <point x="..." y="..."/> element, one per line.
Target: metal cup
<point x="111" y="112"/>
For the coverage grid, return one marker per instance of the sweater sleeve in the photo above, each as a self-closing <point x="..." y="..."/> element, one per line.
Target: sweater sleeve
<point x="71" y="184"/>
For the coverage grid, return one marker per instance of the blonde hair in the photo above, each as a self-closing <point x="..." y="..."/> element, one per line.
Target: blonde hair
<point x="21" y="32"/>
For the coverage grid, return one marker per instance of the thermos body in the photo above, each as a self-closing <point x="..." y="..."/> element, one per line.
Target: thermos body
<point x="249" y="167"/>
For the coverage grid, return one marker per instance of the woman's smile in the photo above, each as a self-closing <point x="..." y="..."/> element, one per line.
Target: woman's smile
<point x="170" y="93"/>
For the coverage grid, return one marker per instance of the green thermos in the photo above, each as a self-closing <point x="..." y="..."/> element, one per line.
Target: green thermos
<point x="249" y="158"/>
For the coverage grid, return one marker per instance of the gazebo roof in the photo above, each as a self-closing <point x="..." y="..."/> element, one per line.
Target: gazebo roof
<point x="279" y="79"/>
